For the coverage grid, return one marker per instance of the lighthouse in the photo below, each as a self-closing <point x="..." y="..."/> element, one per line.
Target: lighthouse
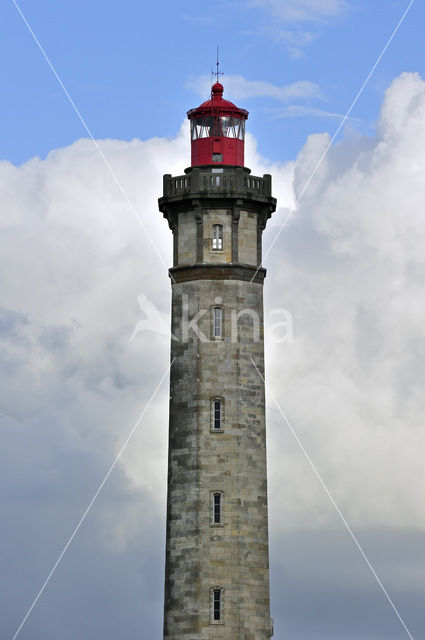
<point x="217" y="559"/>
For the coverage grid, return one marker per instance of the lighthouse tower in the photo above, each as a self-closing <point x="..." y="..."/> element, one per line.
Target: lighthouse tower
<point x="217" y="567"/>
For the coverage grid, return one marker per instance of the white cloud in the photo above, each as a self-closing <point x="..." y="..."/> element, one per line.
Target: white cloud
<point x="74" y="261"/>
<point x="240" y="88"/>
<point x="302" y="10"/>
<point x="295" y="40"/>
<point x="351" y="271"/>
<point x="299" y="110"/>
<point x="289" y="18"/>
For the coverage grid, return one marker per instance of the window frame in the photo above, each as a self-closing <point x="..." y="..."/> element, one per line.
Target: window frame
<point x="216" y="605"/>
<point x="217" y="239"/>
<point x="217" y="419"/>
<point x="217" y="612"/>
<point x="217" y="508"/>
<point x="217" y="322"/>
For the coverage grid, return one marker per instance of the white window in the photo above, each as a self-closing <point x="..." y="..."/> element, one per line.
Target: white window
<point x="217" y="237"/>
<point x="218" y="322"/>
<point x="217" y="414"/>
<point x="216" y="508"/>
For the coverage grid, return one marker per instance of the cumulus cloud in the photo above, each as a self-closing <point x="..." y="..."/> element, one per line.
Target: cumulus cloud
<point x="75" y="265"/>
<point x="357" y="395"/>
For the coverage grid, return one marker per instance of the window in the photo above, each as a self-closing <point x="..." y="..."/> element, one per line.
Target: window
<point x="217" y="127"/>
<point x="216" y="508"/>
<point x="216" y="605"/>
<point x="217" y="237"/>
<point x="217" y="157"/>
<point x="203" y="127"/>
<point x="217" y="414"/>
<point x="218" y="322"/>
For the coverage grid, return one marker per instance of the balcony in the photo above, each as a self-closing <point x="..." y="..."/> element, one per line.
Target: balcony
<point x="227" y="181"/>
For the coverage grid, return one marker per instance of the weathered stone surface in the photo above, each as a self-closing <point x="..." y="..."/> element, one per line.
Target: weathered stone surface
<point x="233" y="555"/>
<point x="187" y="238"/>
<point x="247" y="238"/>
<point x="184" y="273"/>
<point x="211" y="217"/>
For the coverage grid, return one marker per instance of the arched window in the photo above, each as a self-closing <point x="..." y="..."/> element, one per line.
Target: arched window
<point x="218" y="322"/>
<point x="216" y="508"/>
<point x="217" y="237"/>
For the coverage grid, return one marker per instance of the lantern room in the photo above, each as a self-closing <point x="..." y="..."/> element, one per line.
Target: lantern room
<point x="217" y="130"/>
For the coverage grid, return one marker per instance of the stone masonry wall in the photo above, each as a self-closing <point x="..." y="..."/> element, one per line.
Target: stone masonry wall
<point x="187" y="238"/>
<point x="234" y="554"/>
<point x="247" y="238"/>
<point x="217" y="216"/>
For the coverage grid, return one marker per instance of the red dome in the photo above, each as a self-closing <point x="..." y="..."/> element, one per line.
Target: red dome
<point x="217" y="88"/>
<point x="217" y="131"/>
<point x="216" y="102"/>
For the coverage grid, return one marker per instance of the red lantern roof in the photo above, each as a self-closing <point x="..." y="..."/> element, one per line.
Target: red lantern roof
<point x="217" y="102"/>
<point x="217" y="131"/>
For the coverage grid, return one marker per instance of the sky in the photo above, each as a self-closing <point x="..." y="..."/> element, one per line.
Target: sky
<point x="79" y="272"/>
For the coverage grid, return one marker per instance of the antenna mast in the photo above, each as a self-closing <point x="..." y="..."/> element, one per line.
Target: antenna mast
<point x="218" y="73"/>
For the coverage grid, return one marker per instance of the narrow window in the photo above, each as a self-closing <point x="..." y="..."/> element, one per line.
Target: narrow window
<point x="217" y="237"/>
<point x="218" y="322"/>
<point x="217" y="508"/>
<point x="216" y="604"/>
<point x="217" y="414"/>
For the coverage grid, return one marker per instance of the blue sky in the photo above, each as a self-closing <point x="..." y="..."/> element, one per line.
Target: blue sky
<point x="127" y="66"/>
<point x="78" y="274"/>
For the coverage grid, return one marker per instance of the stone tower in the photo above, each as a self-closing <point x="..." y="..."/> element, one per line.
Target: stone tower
<point x="217" y="567"/>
